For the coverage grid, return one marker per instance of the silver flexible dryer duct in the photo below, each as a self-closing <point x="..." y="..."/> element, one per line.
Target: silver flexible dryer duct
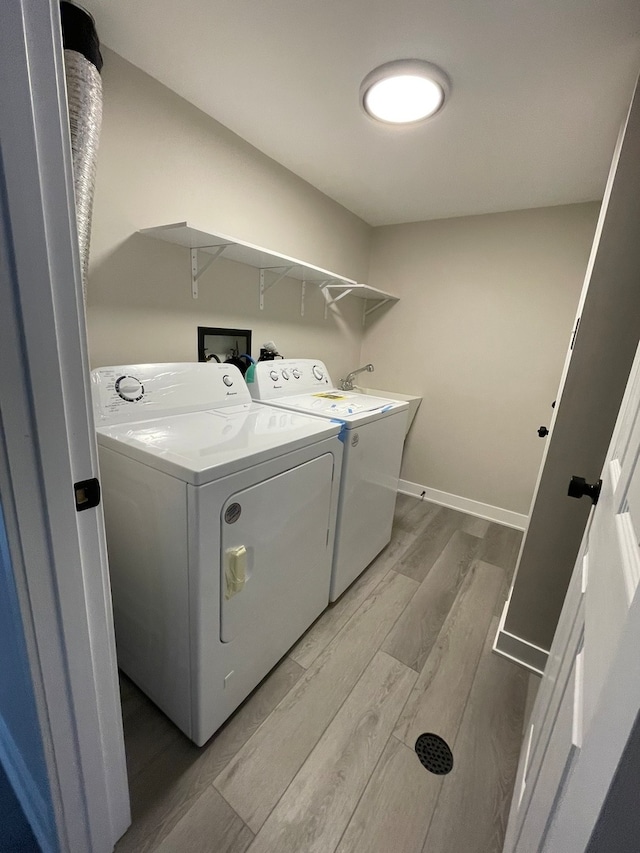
<point x="83" y="63"/>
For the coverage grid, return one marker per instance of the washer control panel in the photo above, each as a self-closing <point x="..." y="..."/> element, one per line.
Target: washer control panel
<point x="136" y="392"/>
<point x="288" y="376"/>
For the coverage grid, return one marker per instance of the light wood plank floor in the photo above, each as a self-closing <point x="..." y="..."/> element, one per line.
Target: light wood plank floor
<point x="320" y="758"/>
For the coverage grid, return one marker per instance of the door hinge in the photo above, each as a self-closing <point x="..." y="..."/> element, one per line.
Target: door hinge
<point x="87" y="494"/>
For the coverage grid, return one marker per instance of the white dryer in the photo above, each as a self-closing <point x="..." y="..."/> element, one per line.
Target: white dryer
<point x="220" y="518"/>
<point x="372" y="430"/>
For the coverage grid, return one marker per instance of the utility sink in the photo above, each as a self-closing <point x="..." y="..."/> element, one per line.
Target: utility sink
<point x="414" y="402"/>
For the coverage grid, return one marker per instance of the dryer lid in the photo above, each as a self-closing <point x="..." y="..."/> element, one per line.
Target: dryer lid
<point x="199" y="447"/>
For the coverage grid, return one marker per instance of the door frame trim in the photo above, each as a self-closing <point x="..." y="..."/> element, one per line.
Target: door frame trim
<point x="47" y="442"/>
<point x="517" y="649"/>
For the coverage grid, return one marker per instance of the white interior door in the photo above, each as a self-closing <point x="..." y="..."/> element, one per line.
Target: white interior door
<point x="591" y="390"/>
<point x="589" y="698"/>
<point x="47" y="443"/>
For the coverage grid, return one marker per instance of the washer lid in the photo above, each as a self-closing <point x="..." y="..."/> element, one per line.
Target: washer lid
<point x="202" y="446"/>
<point x="347" y="406"/>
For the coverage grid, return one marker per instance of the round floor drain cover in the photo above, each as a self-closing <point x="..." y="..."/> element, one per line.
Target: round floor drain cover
<point x="434" y="754"/>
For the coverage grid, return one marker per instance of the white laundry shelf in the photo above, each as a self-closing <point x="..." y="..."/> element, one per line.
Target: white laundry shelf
<point x="273" y="266"/>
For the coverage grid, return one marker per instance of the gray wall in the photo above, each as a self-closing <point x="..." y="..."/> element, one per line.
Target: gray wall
<point x="19" y="725"/>
<point x="618" y="826"/>
<point x="481" y="331"/>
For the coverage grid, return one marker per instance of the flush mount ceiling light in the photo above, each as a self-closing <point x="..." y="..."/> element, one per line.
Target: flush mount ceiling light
<point x="405" y="91"/>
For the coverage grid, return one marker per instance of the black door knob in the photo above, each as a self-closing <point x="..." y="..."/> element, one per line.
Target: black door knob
<point x="578" y="487"/>
<point x="542" y="431"/>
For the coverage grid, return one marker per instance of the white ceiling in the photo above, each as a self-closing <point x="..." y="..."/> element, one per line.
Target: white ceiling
<point x="539" y="89"/>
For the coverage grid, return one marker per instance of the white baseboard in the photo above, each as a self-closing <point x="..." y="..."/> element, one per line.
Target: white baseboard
<point x="471" y="507"/>
<point x="516" y="649"/>
<point x="33" y="805"/>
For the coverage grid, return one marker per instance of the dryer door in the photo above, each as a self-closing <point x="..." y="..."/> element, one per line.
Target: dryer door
<point x="275" y="572"/>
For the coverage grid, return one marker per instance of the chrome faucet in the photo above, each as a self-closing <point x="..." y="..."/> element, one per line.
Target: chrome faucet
<point x="346" y="384"/>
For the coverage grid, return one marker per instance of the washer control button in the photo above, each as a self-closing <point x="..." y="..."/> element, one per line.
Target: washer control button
<point x="228" y="381"/>
<point x="129" y="388"/>
<point x="296" y="374"/>
<point x="274" y="375"/>
<point x="317" y="372"/>
<point x="285" y="373"/>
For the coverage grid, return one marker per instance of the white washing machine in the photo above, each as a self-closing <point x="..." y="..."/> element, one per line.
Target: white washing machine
<point x="220" y="517"/>
<point x="372" y="430"/>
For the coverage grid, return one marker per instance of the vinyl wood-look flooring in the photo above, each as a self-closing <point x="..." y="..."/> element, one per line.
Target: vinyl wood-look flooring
<point x="320" y="758"/>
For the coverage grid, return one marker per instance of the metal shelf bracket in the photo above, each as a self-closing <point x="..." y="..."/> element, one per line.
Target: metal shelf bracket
<point x="281" y="272"/>
<point x="366" y="311"/>
<point x="325" y="287"/>
<point x="197" y="271"/>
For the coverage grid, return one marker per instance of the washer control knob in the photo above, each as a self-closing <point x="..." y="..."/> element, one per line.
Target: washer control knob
<point x="274" y="375"/>
<point x="296" y="374"/>
<point x="317" y="372"/>
<point x="228" y="381"/>
<point x="285" y="373"/>
<point x="129" y="388"/>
